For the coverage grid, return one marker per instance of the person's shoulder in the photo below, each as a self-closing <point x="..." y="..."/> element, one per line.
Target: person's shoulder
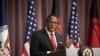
<point x="39" y="31"/>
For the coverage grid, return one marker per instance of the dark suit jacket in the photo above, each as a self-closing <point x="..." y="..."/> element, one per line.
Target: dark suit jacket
<point x="41" y="43"/>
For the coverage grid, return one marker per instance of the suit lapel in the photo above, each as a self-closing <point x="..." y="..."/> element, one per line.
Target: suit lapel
<point x="47" y="39"/>
<point x="59" y="40"/>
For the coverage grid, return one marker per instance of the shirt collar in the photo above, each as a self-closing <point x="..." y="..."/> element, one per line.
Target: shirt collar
<point x="48" y="31"/>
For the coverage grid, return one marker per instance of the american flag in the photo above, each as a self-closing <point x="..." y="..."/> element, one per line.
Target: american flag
<point x="73" y="25"/>
<point x="31" y="27"/>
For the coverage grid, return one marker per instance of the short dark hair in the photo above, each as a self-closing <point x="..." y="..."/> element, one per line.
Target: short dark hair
<point x="48" y="18"/>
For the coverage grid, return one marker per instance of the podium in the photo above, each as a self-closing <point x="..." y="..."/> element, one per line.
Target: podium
<point x="74" y="51"/>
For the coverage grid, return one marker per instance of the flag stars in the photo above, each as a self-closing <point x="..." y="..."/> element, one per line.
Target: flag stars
<point x="31" y="23"/>
<point x="71" y="35"/>
<point x="32" y="2"/>
<point x="27" y="37"/>
<point x="33" y="13"/>
<point x="33" y="29"/>
<point x="75" y="36"/>
<point x="71" y="31"/>
<point x="35" y="20"/>
<point x="32" y="18"/>
<point x="75" y="32"/>
<point x="30" y="27"/>
<point x="73" y="8"/>
<point x="72" y="17"/>
<point x="31" y="7"/>
<point x="76" y="18"/>
<point x="72" y="22"/>
<point x="29" y="32"/>
<point x="29" y="16"/>
<point x="75" y="41"/>
<point x="72" y="26"/>
<point x="30" y="12"/>
<point x="76" y="22"/>
<point x="74" y="3"/>
<point x="76" y="27"/>
<point x="73" y="12"/>
<point x="34" y="24"/>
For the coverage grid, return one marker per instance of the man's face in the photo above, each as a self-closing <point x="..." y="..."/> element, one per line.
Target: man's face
<point x="52" y="23"/>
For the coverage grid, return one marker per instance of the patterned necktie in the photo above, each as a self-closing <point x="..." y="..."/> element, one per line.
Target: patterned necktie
<point x="53" y="41"/>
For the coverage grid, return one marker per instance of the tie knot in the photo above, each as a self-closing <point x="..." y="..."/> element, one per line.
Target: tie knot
<point x="51" y="33"/>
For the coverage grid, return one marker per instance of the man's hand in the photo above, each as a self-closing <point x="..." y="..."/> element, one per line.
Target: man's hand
<point x="6" y="51"/>
<point x="69" y="42"/>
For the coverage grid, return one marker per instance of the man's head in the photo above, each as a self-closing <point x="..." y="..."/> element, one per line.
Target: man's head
<point x="52" y="22"/>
